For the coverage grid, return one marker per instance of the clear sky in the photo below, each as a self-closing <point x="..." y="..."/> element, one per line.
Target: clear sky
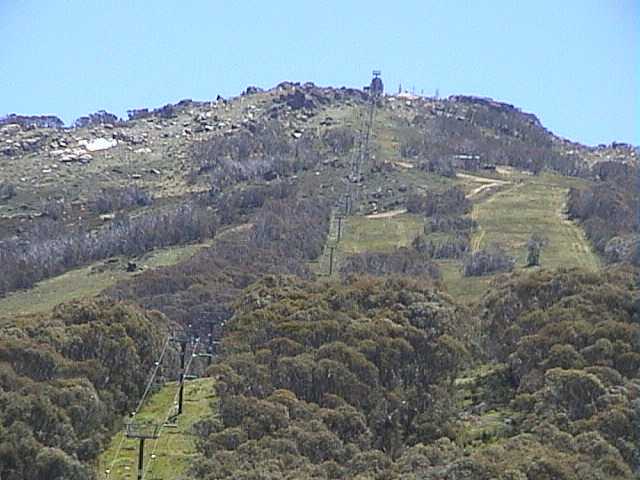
<point x="574" y="63"/>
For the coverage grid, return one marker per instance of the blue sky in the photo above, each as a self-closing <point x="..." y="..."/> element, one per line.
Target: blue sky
<point x="574" y="63"/>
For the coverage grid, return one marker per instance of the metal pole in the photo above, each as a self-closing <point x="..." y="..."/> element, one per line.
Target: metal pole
<point x="339" y="227"/>
<point x="181" y="394"/>
<point x="140" y="458"/>
<point x="183" y="348"/>
<point x="210" y="352"/>
<point x="331" y="249"/>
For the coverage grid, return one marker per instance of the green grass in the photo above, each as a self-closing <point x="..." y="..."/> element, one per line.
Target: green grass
<point x="363" y="234"/>
<point x="175" y="449"/>
<point x="87" y="281"/>
<point x="479" y="427"/>
<point x="507" y="216"/>
<point x="510" y="216"/>
<point x="486" y="428"/>
<point x="379" y="234"/>
<point x="463" y="289"/>
<point x="388" y="135"/>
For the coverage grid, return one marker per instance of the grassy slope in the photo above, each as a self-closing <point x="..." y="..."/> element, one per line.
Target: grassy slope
<point x="86" y="281"/>
<point x="379" y="234"/>
<point x="174" y="449"/>
<point x="168" y="153"/>
<point x="507" y="215"/>
<point x="362" y="234"/>
<point x="510" y="216"/>
<point x="508" y="205"/>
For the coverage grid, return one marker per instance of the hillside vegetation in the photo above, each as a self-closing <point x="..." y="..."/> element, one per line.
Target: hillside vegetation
<point x="357" y="380"/>
<point x="456" y="298"/>
<point x="65" y="378"/>
<point x="170" y="455"/>
<point x="333" y="380"/>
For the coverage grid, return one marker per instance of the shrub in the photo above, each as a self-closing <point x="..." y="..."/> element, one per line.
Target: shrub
<point x="110" y="200"/>
<point x="53" y="209"/>
<point x="448" y="224"/>
<point x="535" y="244"/>
<point x="455" y="247"/>
<point x="339" y="139"/>
<point x="451" y="202"/>
<point x="487" y="261"/>
<point x="99" y="118"/>
<point x="400" y="262"/>
<point x="7" y="191"/>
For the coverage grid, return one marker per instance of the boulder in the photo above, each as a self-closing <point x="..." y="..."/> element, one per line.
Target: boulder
<point x="10" y="129"/>
<point x="129" y="138"/>
<point x="251" y="90"/>
<point x="9" y="150"/>
<point x="31" y="144"/>
<point x="297" y="100"/>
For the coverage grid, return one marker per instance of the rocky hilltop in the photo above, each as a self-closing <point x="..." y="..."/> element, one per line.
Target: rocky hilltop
<point x="153" y="146"/>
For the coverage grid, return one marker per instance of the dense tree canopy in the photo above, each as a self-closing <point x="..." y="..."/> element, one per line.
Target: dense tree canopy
<point x="356" y="380"/>
<point x="570" y="343"/>
<point x="65" y="380"/>
<point x="608" y="211"/>
<point x="375" y="373"/>
<point x="333" y="379"/>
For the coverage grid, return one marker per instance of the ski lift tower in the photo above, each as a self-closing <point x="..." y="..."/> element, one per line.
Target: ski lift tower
<point x="142" y="431"/>
<point x="377" y="88"/>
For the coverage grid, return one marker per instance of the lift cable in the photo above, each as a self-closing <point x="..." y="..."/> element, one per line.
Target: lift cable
<point x="153" y="376"/>
<point x="140" y="403"/>
<point x="169" y="412"/>
<point x="361" y="152"/>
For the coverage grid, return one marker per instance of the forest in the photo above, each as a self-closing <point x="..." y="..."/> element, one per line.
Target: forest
<point x="66" y="378"/>
<point x="357" y="380"/>
<point x="608" y="211"/>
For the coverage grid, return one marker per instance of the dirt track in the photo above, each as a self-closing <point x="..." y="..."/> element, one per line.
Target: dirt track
<point x="389" y="214"/>
<point x="487" y="183"/>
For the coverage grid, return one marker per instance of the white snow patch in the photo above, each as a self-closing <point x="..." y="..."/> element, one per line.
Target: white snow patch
<point x="98" y="144"/>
